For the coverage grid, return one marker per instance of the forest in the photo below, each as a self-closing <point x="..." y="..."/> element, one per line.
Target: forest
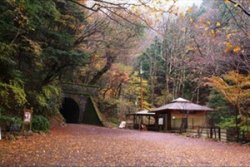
<point x="137" y="54"/>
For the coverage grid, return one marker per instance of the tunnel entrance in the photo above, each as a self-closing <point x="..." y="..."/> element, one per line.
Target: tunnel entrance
<point x="70" y="110"/>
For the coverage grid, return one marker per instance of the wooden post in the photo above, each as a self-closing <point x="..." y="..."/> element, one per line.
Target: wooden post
<point x="156" y="117"/>
<point x="169" y="120"/>
<point x="133" y="121"/>
<point x="141" y="90"/>
<point x="140" y="122"/>
<point x="187" y="114"/>
<point x="219" y="133"/>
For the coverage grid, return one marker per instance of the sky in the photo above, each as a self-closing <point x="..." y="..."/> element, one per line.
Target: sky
<point x="188" y="3"/>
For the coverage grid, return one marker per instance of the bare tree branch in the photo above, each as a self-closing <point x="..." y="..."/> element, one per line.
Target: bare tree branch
<point x="240" y="6"/>
<point x="197" y="45"/>
<point x="94" y="8"/>
<point x="236" y="21"/>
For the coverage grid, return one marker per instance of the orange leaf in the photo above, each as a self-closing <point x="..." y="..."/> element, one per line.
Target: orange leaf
<point x="237" y="49"/>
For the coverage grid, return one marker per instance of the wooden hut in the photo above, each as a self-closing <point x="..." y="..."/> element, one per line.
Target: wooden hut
<point x="143" y="118"/>
<point x="181" y="114"/>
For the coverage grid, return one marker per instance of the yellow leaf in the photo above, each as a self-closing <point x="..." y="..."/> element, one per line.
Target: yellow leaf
<point x="182" y="15"/>
<point x="218" y="24"/>
<point x="229" y="47"/>
<point x="189" y="10"/>
<point x="133" y="8"/>
<point x="213" y="33"/>
<point x="236" y="5"/>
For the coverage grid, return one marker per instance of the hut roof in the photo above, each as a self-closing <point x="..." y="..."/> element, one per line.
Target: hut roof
<point x="182" y="105"/>
<point x="143" y="112"/>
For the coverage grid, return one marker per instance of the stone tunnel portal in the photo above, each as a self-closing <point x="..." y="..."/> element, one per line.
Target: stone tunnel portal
<point x="70" y="110"/>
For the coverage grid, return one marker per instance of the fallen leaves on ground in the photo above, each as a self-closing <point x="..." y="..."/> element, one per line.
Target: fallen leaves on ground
<point x="83" y="145"/>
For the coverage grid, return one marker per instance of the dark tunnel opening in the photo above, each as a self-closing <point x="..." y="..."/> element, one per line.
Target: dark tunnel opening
<point x="70" y="110"/>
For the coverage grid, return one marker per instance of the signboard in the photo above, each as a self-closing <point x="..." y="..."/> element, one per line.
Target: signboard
<point x="160" y="121"/>
<point x="27" y="115"/>
<point x="27" y="119"/>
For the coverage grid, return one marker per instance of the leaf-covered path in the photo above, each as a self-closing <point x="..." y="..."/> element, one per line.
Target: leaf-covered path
<point x="83" y="145"/>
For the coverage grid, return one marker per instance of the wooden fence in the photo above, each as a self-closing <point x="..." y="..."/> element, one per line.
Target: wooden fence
<point x="208" y="132"/>
<point x="216" y="133"/>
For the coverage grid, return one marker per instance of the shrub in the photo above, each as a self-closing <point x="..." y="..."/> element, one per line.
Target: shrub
<point x="5" y="122"/>
<point x="40" y="123"/>
<point x="10" y="123"/>
<point x="16" y="124"/>
<point x="12" y="97"/>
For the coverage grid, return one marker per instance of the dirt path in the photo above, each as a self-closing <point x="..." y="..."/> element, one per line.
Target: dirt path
<point x="83" y="145"/>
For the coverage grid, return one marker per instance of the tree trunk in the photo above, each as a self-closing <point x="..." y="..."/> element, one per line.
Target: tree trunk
<point x="109" y="61"/>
